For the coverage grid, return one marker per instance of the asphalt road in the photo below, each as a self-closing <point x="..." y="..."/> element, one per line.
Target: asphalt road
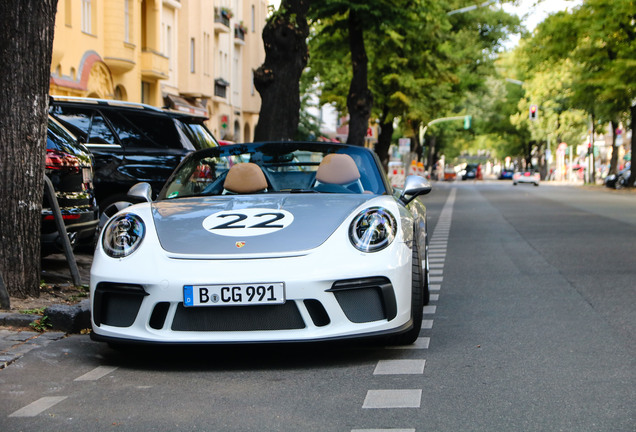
<point x="532" y="327"/>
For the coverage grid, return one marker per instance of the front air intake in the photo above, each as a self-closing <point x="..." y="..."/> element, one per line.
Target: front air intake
<point x="366" y="299"/>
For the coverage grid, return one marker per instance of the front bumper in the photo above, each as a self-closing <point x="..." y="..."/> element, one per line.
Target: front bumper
<point x="328" y="296"/>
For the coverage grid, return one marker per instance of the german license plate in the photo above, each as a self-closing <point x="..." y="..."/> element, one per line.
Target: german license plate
<point x="234" y="294"/>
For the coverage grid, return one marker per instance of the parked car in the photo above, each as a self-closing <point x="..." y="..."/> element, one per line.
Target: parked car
<point x="265" y="242"/>
<point x="526" y="176"/>
<point x="131" y="143"/>
<point x="69" y="167"/>
<point x="618" y="181"/>
<point x="469" y="172"/>
<point x="506" y="174"/>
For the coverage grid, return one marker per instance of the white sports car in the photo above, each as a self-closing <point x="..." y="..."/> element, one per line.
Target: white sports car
<point x="265" y="242"/>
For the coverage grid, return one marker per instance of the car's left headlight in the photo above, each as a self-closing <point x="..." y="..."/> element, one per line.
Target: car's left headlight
<point x="372" y="229"/>
<point x="123" y="235"/>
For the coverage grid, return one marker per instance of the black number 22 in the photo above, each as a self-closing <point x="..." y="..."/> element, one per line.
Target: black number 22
<point x="233" y="224"/>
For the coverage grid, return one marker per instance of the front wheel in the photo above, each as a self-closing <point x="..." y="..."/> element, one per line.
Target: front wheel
<point x="419" y="298"/>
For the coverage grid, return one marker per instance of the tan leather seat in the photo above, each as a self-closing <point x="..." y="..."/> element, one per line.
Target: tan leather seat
<point x="245" y="178"/>
<point x="337" y="169"/>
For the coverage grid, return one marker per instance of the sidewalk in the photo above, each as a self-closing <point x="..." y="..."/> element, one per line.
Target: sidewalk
<point x="16" y="343"/>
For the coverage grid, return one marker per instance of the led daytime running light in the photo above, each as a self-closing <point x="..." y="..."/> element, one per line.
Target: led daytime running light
<point x="372" y="229"/>
<point x="123" y="235"/>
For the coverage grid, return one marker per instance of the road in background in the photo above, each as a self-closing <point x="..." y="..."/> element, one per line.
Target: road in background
<point x="531" y="327"/>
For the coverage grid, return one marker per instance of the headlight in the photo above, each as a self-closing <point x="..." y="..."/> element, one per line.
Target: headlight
<point x="372" y="229"/>
<point x="123" y="235"/>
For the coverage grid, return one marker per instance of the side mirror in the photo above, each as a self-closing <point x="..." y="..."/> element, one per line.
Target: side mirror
<point x="414" y="186"/>
<point x="142" y="191"/>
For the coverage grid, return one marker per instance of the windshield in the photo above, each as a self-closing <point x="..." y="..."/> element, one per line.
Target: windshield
<point x="276" y="168"/>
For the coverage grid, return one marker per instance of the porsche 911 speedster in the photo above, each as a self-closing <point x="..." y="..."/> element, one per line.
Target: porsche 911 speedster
<point x="265" y="242"/>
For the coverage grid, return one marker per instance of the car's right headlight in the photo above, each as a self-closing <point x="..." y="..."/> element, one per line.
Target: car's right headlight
<point x="372" y="229"/>
<point x="123" y="235"/>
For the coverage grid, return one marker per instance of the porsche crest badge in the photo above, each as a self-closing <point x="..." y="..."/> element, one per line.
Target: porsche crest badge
<point x="240" y="244"/>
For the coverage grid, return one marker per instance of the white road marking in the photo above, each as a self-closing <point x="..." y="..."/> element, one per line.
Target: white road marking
<point x="393" y="399"/>
<point x="427" y="324"/>
<point x="429" y="309"/>
<point x="434" y="297"/>
<point x="436" y="272"/>
<point x="400" y="367"/>
<point x="436" y="265"/>
<point x="434" y="287"/>
<point x="436" y="279"/>
<point x="96" y="373"/>
<point x="40" y="405"/>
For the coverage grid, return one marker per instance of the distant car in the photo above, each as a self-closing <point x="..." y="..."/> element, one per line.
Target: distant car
<point x="131" y="143"/>
<point x="69" y="167"/>
<point x="469" y="172"/>
<point x="266" y="242"/>
<point x="506" y="174"/>
<point x="527" y="176"/>
<point x="618" y="181"/>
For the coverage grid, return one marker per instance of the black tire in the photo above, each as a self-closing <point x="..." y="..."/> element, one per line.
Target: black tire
<point x="419" y="297"/>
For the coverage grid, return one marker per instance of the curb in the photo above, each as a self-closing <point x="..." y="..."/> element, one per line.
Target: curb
<point x="65" y="318"/>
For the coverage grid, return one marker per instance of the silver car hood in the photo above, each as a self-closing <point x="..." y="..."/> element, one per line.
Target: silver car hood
<point x="241" y="225"/>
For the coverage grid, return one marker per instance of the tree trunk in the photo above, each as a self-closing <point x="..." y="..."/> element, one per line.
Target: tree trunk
<point x="277" y="80"/>
<point x="614" y="159"/>
<point x="26" y="42"/>
<point x="384" y="139"/>
<point x="359" y="99"/>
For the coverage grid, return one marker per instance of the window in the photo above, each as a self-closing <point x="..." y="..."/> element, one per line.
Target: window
<point x="127" y="21"/>
<point x="145" y="92"/>
<point x="68" y="13"/>
<point x="206" y="53"/>
<point x="192" y="55"/>
<point x="87" y="15"/>
<point x="168" y="46"/>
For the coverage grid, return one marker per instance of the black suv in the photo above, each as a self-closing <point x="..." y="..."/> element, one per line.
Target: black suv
<point x="131" y="143"/>
<point x="70" y="169"/>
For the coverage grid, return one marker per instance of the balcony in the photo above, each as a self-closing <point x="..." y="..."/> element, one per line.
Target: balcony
<point x="154" y="66"/>
<point x="239" y="34"/>
<point x="222" y="20"/>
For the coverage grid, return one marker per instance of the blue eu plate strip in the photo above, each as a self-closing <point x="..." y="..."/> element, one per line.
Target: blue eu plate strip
<point x="188" y="297"/>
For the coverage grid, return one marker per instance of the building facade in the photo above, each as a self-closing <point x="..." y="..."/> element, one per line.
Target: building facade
<point x="190" y="55"/>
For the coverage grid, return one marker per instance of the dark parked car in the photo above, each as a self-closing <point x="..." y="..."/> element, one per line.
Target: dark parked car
<point x="69" y="167"/>
<point x="618" y="181"/>
<point x="131" y="143"/>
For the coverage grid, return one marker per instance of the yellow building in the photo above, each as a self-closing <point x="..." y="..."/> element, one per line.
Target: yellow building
<point x="190" y="55"/>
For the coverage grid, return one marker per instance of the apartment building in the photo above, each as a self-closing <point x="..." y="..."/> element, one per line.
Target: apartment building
<point x="189" y="55"/>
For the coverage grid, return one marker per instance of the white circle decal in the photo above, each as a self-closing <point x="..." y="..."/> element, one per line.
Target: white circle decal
<point x="247" y="222"/>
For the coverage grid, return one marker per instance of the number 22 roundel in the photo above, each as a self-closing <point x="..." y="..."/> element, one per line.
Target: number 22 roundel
<point x="247" y="222"/>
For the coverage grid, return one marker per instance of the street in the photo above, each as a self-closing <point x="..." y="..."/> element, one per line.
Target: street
<point x="531" y="327"/>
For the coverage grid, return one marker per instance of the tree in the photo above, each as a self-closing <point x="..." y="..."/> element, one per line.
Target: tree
<point x="277" y="80"/>
<point x="599" y="39"/>
<point x="26" y="42"/>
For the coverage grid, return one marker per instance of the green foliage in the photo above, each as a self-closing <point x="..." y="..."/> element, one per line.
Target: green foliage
<point x="422" y="62"/>
<point x="41" y="324"/>
<point x="38" y="311"/>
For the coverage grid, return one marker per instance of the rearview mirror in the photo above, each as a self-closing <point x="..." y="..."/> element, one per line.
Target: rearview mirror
<point x="143" y="191"/>
<point x="414" y="186"/>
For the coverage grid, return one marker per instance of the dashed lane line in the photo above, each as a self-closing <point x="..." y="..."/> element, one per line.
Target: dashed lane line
<point x="37" y="407"/>
<point x="96" y="373"/>
<point x="400" y="367"/>
<point x="406" y="398"/>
